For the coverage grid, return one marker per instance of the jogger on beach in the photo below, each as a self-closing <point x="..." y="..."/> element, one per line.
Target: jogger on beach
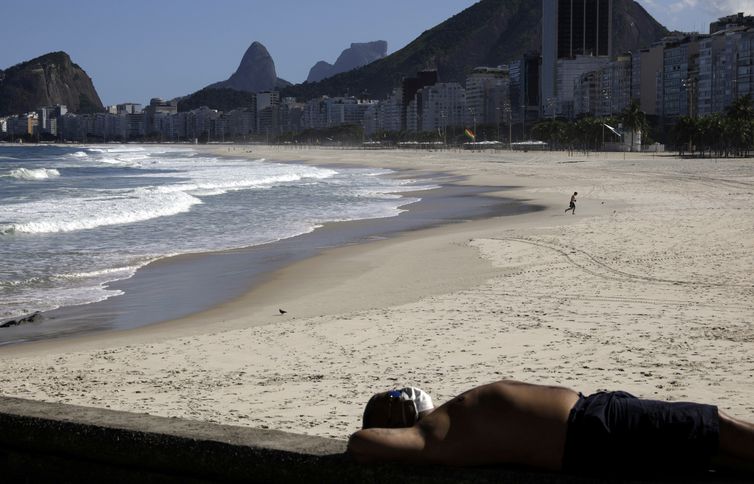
<point x="572" y="206"/>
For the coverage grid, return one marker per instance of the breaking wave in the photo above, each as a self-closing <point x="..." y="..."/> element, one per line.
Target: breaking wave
<point x="34" y="174"/>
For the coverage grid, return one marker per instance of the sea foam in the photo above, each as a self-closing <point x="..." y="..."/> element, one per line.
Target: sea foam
<point x="114" y="208"/>
<point x="34" y="174"/>
<point x="131" y="206"/>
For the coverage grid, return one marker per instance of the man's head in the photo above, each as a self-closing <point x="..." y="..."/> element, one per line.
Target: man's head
<point x="396" y="408"/>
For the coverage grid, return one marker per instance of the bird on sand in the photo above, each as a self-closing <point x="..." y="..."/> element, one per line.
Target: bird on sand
<point x="282" y="311"/>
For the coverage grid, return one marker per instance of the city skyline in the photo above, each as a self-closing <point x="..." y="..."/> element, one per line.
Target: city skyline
<point x="190" y="48"/>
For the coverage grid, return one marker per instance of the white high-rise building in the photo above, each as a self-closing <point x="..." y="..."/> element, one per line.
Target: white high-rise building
<point x="412" y="115"/>
<point x="442" y="105"/>
<point x="487" y="92"/>
<point x="391" y="113"/>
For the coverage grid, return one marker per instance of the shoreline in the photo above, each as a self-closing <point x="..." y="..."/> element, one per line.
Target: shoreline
<point x="221" y="276"/>
<point x="141" y="306"/>
<point x="648" y="289"/>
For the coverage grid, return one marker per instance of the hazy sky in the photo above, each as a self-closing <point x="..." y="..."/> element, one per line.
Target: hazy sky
<point x="694" y="15"/>
<point x="138" y="49"/>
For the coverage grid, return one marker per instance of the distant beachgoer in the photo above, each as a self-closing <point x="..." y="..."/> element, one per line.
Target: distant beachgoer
<point x="572" y="205"/>
<point x="553" y="428"/>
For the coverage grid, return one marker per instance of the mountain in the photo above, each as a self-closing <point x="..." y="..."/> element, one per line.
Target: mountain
<point x="319" y="71"/>
<point x="45" y="81"/>
<point x="489" y="33"/>
<point x="634" y="27"/>
<point x="255" y="73"/>
<point x="359" y="54"/>
<point x="222" y="99"/>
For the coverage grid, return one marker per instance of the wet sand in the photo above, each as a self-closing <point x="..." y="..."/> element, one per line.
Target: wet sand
<point x="178" y="286"/>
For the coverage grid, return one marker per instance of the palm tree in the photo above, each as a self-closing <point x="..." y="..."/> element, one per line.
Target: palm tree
<point x="588" y="132"/>
<point x="715" y="133"/>
<point x="633" y="118"/>
<point x="709" y="129"/>
<point x="742" y="108"/>
<point x="740" y="116"/>
<point x="685" y="133"/>
<point x="550" y="130"/>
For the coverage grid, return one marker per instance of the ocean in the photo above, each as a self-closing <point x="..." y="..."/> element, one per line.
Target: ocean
<point x="73" y="220"/>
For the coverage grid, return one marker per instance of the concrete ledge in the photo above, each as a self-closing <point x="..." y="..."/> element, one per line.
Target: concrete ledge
<point x="47" y="442"/>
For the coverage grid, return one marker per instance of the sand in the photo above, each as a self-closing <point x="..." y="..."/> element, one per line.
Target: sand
<point x="649" y="288"/>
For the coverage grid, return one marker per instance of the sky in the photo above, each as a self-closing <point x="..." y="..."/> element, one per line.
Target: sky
<point x="137" y="49"/>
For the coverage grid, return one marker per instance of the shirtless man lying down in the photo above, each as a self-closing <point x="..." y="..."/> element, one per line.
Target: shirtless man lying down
<point x="552" y="428"/>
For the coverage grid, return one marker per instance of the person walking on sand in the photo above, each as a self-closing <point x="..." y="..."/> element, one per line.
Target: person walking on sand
<point x="572" y="205"/>
<point x="552" y="428"/>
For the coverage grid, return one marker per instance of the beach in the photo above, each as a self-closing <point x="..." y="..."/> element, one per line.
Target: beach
<point x="648" y="288"/>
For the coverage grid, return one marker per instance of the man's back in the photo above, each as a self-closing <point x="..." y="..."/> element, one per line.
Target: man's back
<point x="501" y="422"/>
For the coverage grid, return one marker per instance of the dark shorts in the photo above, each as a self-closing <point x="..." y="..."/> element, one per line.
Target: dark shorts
<point x="611" y="432"/>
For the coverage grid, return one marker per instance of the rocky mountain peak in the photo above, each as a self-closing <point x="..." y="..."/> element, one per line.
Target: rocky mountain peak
<point x="255" y="73"/>
<point x="47" y="80"/>
<point x="359" y="54"/>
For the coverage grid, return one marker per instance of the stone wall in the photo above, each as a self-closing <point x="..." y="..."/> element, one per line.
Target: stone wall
<point x="48" y="442"/>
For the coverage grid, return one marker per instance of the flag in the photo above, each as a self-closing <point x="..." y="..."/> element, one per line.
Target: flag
<point x="470" y="134"/>
<point x="613" y="130"/>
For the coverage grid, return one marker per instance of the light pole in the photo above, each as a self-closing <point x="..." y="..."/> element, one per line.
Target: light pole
<point x="690" y="85"/>
<point x="443" y="118"/>
<point x="507" y="109"/>
<point x="510" y="129"/>
<point x="498" y="124"/>
<point x="551" y="106"/>
<point x="734" y="92"/>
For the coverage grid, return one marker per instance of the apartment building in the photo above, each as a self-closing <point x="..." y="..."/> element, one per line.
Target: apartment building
<point x="487" y="93"/>
<point x="443" y="105"/>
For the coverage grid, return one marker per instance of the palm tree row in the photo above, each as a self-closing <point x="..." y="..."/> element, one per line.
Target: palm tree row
<point x="589" y="133"/>
<point x="723" y="135"/>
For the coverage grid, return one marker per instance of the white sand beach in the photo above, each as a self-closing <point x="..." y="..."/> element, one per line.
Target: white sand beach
<point x="648" y="288"/>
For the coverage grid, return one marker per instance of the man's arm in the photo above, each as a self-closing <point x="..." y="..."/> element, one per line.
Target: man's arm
<point x="386" y="445"/>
